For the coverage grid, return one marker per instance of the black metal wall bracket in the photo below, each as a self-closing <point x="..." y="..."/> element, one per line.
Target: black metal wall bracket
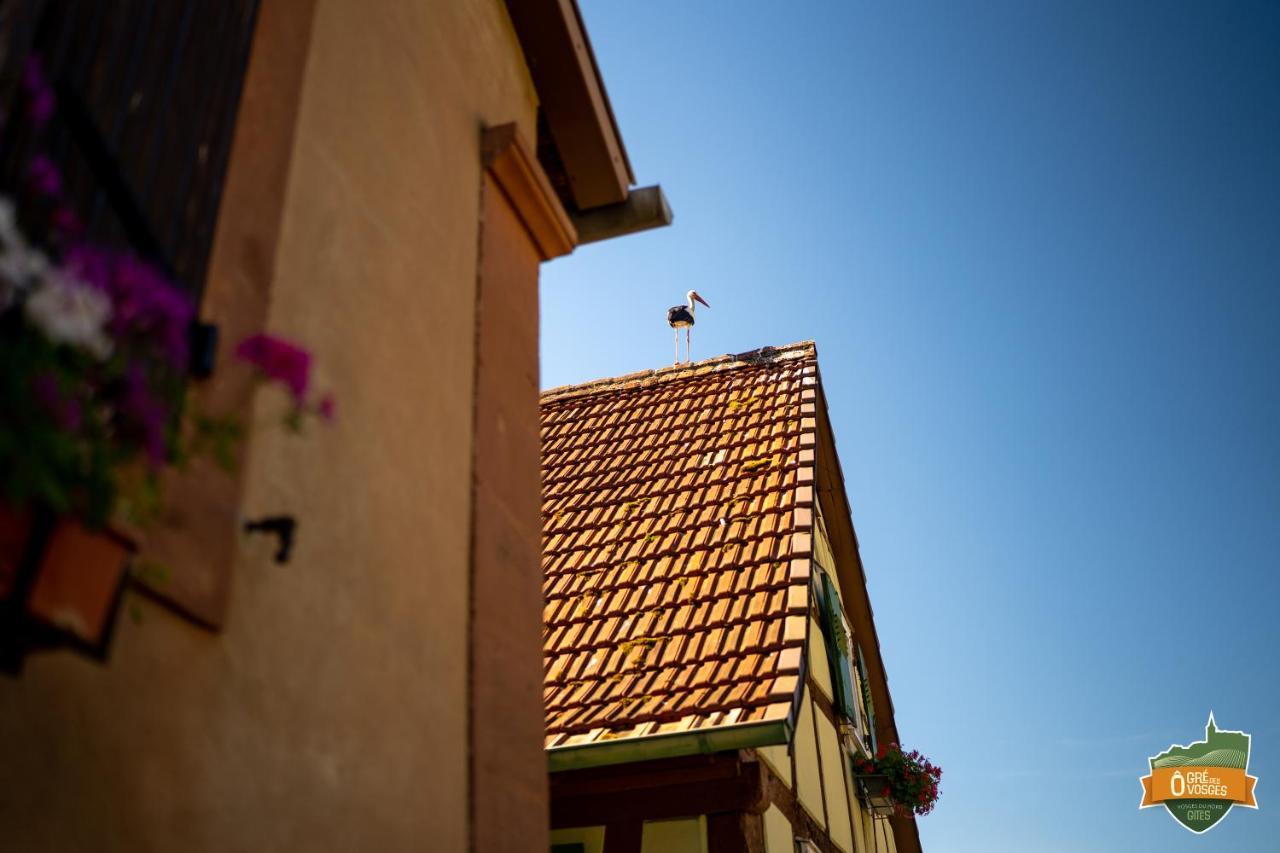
<point x="284" y="527"/>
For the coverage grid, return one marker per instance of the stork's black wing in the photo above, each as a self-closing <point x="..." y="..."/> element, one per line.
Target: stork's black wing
<point x="679" y="315"/>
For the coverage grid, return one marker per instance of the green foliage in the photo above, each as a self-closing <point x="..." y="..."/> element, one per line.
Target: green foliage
<point x="218" y="438"/>
<point x="140" y="501"/>
<point x="44" y="462"/>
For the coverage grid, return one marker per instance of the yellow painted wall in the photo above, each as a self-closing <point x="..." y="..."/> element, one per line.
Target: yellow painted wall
<point x="687" y="835"/>
<point x="833" y="777"/>
<point x="808" y="783"/>
<point x="590" y="837"/>
<point x="880" y="836"/>
<point x="331" y="714"/>
<point x="852" y="828"/>
<point x="822" y="552"/>
<point x="858" y="818"/>
<point x="779" y="837"/>
<point x="778" y="759"/>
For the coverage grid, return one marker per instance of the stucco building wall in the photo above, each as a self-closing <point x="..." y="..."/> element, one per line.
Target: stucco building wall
<point x="331" y="713"/>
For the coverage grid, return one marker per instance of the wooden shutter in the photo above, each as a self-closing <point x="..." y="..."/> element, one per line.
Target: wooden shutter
<point x="148" y="95"/>
<point x="838" y="648"/>
<point x="866" y="700"/>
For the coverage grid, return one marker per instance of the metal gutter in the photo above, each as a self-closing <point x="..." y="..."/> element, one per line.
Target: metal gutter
<point x="632" y="749"/>
<point x="644" y="208"/>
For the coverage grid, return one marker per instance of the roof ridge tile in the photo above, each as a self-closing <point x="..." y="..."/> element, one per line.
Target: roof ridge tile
<point x="647" y="378"/>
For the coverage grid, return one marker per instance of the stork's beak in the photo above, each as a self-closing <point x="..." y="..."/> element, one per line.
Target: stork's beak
<point x="700" y="299"/>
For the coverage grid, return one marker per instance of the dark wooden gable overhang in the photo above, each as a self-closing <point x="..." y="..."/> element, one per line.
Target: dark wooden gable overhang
<point x="579" y="145"/>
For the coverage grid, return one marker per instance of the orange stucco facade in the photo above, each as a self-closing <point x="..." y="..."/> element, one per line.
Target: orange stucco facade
<point x="334" y="709"/>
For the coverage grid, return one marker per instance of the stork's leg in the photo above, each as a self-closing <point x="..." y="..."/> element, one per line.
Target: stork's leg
<point x="688" y="343"/>
<point x="676" y="329"/>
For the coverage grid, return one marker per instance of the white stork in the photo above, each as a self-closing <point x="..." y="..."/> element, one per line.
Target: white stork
<point x="681" y="317"/>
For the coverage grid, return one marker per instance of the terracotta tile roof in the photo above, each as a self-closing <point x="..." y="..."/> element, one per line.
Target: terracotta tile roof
<point x="677" y="522"/>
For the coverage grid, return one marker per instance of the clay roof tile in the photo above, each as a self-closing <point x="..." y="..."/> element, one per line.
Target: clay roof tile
<point x="676" y="513"/>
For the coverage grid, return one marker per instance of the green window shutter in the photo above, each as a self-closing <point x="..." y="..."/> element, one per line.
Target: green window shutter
<point x="866" y="700"/>
<point x="838" y="648"/>
<point x="574" y="847"/>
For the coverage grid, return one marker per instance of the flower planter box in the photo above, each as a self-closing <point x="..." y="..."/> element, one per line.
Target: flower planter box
<point x="60" y="585"/>
<point x="871" y="787"/>
<point x="894" y="782"/>
<point x="95" y="352"/>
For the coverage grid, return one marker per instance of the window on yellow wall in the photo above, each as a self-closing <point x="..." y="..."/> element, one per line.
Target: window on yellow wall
<point x="840" y="651"/>
<point x="864" y="690"/>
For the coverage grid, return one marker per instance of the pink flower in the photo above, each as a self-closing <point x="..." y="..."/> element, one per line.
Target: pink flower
<point x="279" y="361"/>
<point x="45" y="176"/>
<point x="146" y="308"/>
<point x="66" y="222"/>
<point x="326" y="407"/>
<point x="40" y="98"/>
<point x="145" y="414"/>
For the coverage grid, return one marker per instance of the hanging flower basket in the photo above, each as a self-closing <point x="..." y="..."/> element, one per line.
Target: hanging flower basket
<point x="896" y="782"/>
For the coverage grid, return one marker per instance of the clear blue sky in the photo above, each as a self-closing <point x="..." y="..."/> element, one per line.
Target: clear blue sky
<point x="1039" y="250"/>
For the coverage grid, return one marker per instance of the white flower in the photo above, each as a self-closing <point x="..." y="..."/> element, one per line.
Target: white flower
<point x="8" y="221"/>
<point x="20" y="265"/>
<point x="71" y="312"/>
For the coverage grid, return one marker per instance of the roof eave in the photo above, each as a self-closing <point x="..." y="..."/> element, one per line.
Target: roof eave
<point x="567" y="78"/>
<point x="646" y="748"/>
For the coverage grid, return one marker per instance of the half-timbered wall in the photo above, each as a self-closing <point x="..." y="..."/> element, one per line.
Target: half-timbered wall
<point x="814" y="795"/>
